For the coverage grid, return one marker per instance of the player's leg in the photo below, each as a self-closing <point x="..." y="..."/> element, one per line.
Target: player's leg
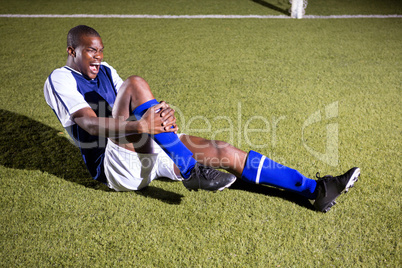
<point x="256" y="168"/>
<point x="132" y="93"/>
<point x="216" y="154"/>
<point x="252" y="167"/>
<point x="135" y="98"/>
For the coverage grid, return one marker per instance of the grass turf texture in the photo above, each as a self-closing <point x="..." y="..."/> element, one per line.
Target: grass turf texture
<point x="194" y="7"/>
<point x="53" y="214"/>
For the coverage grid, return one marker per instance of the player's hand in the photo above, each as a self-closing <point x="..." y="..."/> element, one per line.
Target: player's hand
<point x="158" y="119"/>
<point x="167" y="113"/>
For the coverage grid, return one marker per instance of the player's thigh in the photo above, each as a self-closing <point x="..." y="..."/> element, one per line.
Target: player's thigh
<point x="166" y="168"/>
<point x="214" y="153"/>
<point x="132" y="93"/>
<point x="126" y="170"/>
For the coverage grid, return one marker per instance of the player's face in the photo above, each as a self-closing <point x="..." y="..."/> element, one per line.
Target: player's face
<point x="88" y="56"/>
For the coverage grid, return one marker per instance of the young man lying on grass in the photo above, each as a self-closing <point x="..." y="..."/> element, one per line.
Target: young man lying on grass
<point x="127" y="138"/>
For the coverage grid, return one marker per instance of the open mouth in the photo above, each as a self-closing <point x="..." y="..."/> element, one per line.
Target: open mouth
<point x="94" y="67"/>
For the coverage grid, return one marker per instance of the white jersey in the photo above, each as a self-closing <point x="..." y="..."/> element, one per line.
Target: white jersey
<point x="62" y="94"/>
<point x="67" y="91"/>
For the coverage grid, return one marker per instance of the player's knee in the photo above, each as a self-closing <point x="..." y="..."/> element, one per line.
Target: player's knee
<point x="137" y="87"/>
<point x="135" y="80"/>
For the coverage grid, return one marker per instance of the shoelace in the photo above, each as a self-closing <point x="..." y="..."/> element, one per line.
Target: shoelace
<point x="204" y="172"/>
<point x="323" y="184"/>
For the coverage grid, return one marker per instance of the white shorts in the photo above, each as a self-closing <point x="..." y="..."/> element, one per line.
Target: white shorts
<point x="126" y="170"/>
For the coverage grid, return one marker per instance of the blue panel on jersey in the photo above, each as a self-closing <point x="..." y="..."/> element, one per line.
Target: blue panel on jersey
<point x="100" y="94"/>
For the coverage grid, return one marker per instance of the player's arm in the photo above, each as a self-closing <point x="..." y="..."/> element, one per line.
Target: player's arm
<point x="159" y="118"/>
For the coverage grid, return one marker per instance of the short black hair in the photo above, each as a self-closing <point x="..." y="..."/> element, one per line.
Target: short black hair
<point x="74" y="35"/>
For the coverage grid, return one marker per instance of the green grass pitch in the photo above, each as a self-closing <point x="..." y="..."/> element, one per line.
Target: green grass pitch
<point x="252" y="82"/>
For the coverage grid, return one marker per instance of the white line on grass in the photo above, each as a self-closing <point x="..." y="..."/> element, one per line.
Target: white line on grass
<point x="194" y="16"/>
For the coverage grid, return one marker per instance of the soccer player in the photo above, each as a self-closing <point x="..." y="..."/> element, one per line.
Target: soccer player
<point x="127" y="138"/>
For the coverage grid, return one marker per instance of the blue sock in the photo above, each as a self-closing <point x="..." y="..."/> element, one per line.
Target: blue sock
<point x="170" y="143"/>
<point x="262" y="170"/>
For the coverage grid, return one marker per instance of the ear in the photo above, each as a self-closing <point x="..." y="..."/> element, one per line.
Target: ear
<point x="71" y="51"/>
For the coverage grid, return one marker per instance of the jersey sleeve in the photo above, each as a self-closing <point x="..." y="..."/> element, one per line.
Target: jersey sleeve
<point x="117" y="81"/>
<point x="62" y="96"/>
